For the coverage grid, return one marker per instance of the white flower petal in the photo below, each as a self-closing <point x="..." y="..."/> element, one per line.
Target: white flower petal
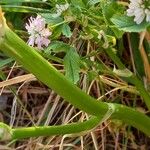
<point x="139" y="10"/>
<point x="147" y="15"/>
<point x="130" y="12"/>
<point x="139" y="18"/>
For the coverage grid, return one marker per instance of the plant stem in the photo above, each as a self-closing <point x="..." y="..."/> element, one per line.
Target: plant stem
<point x="44" y="71"/>
<point x="123" y="113"/>
<point x="131" y="79"/>
<point x="12" y="45"/>
<point x="74" y="128"/>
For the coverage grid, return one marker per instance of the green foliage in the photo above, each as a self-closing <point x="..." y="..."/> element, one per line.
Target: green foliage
<point x="57" y="46"/>
<point x="127" y="24"/>
<point x="72" y="65"/>
<point x="78" y="3"/>
<point x="134" y="38"/>
<point x="92" y="2"/>
<point x="66" y="30"/>
<point x="50" y="19"/>
<point x="123" y="73"/>
<point x="108" y="10"/>
<point x="4" y="62"/>
<point x="17" y="1"/>
<point x="57" y="31"/>
<point x="23" y="9"/>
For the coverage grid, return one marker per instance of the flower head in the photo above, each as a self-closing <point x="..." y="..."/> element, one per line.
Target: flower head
<point x="140" y="9"/>
<point x="38" y="32"/>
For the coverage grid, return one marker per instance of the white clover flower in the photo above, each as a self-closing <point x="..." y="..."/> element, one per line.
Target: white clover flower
<point x="140" y="9"/>
<point x="61" y="8"/>
<point x="38" y="32"/>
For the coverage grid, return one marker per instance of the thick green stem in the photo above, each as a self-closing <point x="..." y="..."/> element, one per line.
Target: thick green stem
<point x="74" y="128"/>
<point x="123" y="113"/>
<point x="12" y="45"/>
<point x="44" y="71"/>
<point x="132" y="117"/>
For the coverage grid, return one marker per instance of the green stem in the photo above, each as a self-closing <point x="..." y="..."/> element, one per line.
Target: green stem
<point x="74" y="128"/>
<point x="44" y="71"/>
<point x="132" y="117"/>
<point x="131" y="79"/>
<point x="122" y="114"/>
<point x="12" y="45"/>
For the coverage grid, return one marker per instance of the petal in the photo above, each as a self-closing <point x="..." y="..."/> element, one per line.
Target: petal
<point x="45" y="32"/>
<point x="46" y="41"/>
<point x="130" y="12"/>
<point x="31" y="41"/>
<point x="147" y="15"/>
<point x="139" y="18"/>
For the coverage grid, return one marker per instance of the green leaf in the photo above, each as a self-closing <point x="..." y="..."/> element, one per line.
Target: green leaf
<point x="134" y="38"/>
<point x="78" y="3"/>
<point x="92" y="2"/>
<point x="91" y="75"/>
<point x="57" y="46"/>
<point x="108" y="10"/>
<point x="123" y="73"/>
<point x="147" y="47"/>
<point x="50" y="19"/>
<point x="5" y="62"/>
<point x="23" y="9"/>
<point x="118" y="33"/>
<point x="57" y="31"/>
<point x="72" y="65"/>
<point x="18" y="1"/>
<point x="127" y="24"/>
<point x="66" y="30"/>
